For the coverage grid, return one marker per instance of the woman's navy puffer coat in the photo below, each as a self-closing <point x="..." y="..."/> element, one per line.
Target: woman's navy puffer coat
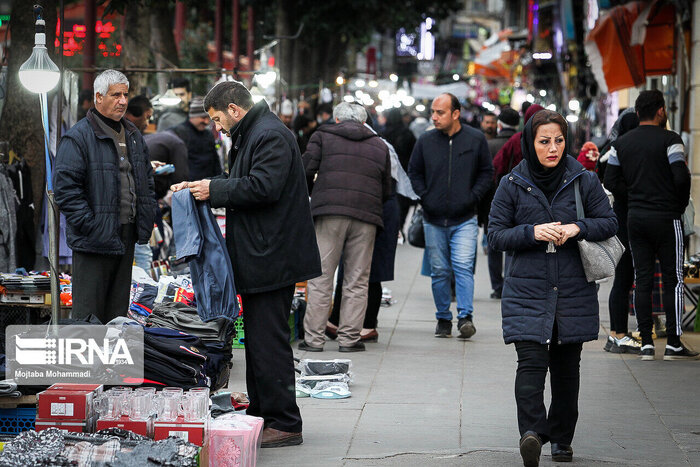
<point x="543" y="287"/>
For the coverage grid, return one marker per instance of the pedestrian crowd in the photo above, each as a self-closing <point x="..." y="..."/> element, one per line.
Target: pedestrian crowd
<point x="323" y="195"/>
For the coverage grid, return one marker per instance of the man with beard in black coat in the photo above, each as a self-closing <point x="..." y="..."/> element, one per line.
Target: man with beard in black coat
<point x="271" y="240"/>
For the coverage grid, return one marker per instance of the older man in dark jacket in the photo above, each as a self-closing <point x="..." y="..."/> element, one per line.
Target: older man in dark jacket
<point x="103" y="184"/>
<point x="353" y="178"/>
<point x="270" y="238"/>
<point x="450" y="169"/>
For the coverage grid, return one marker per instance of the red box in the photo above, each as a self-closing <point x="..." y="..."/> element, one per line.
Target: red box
<point x="67" y="405"/>
<point x="143" y="427"/>
<point x="96" y="388"/>
<point x="192" y="432"/>
<point x="73" y="426"/>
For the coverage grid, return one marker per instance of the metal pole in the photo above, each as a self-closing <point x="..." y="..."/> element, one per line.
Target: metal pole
<point x="52" y="209"/>
<point x="218" y="33"/>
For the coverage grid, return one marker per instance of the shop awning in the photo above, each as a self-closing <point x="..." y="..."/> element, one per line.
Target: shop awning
<point x="631" y="42"/>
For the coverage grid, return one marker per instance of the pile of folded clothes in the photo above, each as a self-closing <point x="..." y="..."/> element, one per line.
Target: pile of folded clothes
<point x="216" y="336"/>
<point x="173" y="358"/>
<point x="17" y="283"/>
<point x="146" y="293"/>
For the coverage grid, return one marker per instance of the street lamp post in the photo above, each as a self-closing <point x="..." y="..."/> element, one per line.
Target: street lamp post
<point x="39" y="75"/>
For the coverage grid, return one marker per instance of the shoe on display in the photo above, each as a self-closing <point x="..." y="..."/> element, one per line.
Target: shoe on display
<point x="272" y="438"/>
<point x="443" y="328"/>
<point x="680" y="353"/>
<point x="356" y="347"/>
<point x="609" y="343"/>
<point x="562" y="452"/>
<point x="530" y="449"/>
<point x="626" y="345"/>
<point x="647" y="352"/>
<point x="466" y="327"/>
<point x="304" y="346"/>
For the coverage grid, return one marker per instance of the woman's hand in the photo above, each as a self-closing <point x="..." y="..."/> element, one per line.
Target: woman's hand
<point x="567" y="231"/>
<point x="550" y="232"/>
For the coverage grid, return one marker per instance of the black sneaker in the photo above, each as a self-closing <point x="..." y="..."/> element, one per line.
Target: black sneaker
<point x="609" y="343"/>
<point x="680" y="353"/>
<point x="466" y="328"/>
<point x="530" y="449"/>
<point x="443" y="328"/>
<point x="647" y="352"/>
<point x="496" y="295"/>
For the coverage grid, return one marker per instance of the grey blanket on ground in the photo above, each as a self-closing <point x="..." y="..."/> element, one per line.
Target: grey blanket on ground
<point x="8" y="388"/>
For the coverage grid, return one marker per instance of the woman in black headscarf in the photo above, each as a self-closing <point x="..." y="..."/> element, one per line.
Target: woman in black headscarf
<point x="549" y="309"/>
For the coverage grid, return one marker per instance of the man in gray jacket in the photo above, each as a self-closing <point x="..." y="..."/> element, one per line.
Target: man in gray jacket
<point x="352" y="171"/>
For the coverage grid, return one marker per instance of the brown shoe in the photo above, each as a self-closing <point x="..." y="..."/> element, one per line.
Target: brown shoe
<point x="372" y="336"/>
<point x="272" y="438"/>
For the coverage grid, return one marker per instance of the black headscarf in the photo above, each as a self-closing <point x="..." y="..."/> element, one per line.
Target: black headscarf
<point x="546" y="179"/>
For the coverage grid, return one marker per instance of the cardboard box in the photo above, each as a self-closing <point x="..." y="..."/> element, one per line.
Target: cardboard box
<point x="73" y="426"/>
<point x="193" y="432"/>
<point x="96" y="388"/>
<point x="68" y="405"/>
<point x="143" y="427"/>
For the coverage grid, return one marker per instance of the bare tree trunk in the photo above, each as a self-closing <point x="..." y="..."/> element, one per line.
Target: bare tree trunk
<point x="20" y="124"/>
<point x="284" y="26"/>
<point x="136" y="39"/>
<point x="163" y="41"/>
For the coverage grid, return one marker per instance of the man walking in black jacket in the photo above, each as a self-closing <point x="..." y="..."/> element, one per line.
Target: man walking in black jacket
<point x="648" y="164"/>
<point x="271" y="241"/>
<point x="195" y="132"/>
<point x="451" y="170"/>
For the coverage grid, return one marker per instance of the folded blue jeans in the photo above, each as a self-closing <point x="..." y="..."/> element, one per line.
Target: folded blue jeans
<point x="451" y="251"/>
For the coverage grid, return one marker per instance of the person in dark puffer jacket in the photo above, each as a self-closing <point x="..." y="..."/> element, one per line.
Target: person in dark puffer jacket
<point x="353" y="179"/>
<point x="549" y="308"/>
<point x="103" y="184"/>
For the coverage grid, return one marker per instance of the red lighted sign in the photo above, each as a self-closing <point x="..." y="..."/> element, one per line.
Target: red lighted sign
<point x="73" y="40"/>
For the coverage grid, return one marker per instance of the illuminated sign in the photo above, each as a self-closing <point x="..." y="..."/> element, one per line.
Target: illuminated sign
<point x="412" y="44"/>
<point x="74" y="39"/>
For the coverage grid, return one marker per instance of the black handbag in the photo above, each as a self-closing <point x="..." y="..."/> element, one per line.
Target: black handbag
<point x="416" y="236"/>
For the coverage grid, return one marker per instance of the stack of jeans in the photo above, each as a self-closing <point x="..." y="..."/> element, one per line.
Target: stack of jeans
<point x="216" y="337"/>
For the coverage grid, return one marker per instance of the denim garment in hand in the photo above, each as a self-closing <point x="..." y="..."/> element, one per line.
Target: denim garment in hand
<point x="199" y="241"/>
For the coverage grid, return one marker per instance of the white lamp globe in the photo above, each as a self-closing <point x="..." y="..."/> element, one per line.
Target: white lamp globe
<point x="39" y="74"/>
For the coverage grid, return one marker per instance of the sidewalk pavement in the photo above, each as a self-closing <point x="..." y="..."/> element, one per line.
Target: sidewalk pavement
<point x="419" y="400"/>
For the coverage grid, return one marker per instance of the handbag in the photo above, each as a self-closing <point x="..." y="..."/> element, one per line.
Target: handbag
<point x="599" y="258"/>
<point x="416" y="235"/>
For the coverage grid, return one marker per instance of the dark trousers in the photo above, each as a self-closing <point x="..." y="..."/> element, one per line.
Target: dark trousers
<point x="619" y="299"/>
<point x="269" y="359"/>
<point x="101" y="283"/>
<point x="562" y="361"/>
<point x="652" y="238"/>
<point x="374" y="302"/>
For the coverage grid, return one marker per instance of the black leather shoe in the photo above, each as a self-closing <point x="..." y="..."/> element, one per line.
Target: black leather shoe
<point x="356" y="347"/>
<point x="530" y="449"/>
<point x="304" y="346"/>
<point x="562" y="452"/>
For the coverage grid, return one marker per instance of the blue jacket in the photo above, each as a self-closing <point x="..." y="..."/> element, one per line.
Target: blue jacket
<point x="198" y="239"/>
<point x="450" y="175"/>
<point x="540" y="287"/>
<point x="87" y="186"/>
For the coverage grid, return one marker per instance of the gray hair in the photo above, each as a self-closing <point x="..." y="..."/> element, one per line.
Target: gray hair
<point x="106" y="79"/>
<point x="346" y="111"/>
